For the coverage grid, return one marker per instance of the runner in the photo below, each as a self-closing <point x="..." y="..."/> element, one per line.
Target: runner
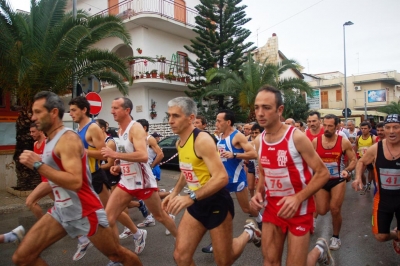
<point x="77" y="209"/>
<point x="352" y="133"/>
<point x="247" y="129"/>
<point x="290" y="122"/>
<point x="380" y="131"/>
<point x="363" y="142"/>
<point x="300" y="126"/>
<point x="331" y="148"/>
<point x="209" y="205"/>
<point x="386" y="156"/>
<point x="137" y="179"/>
<point x="287" y="162"/>
<point x="201" y="123"/>
<point x="43" y="188"/>
<point x="255" y="130"/>
<point x="14" y="236"/>
<point x="314" y="125"/>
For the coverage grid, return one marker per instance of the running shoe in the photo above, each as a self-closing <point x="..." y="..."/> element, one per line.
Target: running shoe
<point x="167" y="232"/>
<point x="252" y="225"/>
<point x="114" y="263"/>
<point x="81" y="252"/>
<point x="334" y="243"/>
<point x="143" y="209"/>
<point x="396" y="243"/>
<point x="149" y="221"/>
<point x="369" y="186"/>
<point x="208" y="249"/>
<point x="325" y="258"/>
<point x="140" y="243"/>
<point x="19" y="233"/>
<point x="125" y="234"/>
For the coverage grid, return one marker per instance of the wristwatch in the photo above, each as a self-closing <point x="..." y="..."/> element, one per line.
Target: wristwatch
<point x="234" y="155"/>
<point x="36" y="165"/>
<point x="192" y="195"/>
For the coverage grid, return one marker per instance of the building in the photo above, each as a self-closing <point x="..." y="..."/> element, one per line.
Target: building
<point x="365" y="92"/>
<point x="159" y="30"/>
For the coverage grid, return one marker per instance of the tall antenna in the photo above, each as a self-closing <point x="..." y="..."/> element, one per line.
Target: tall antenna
<point x="257" y="36"/>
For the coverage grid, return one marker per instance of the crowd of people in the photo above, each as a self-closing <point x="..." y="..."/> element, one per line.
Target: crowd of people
<point x="282" y="174"/>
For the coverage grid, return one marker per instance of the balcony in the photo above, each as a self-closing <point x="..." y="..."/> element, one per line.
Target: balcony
<point x="160" y="74"/>
<point x="154" y="13"/>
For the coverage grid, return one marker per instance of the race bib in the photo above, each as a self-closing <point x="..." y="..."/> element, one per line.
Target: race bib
<point x="61" y="197"/>
<point x="190" y="176"/>
<point x="333" y="170"/>
<point x="221" y="149"/>
<point x="390" y="178"/>
<point x="128" y="170"/>
<point x="278" y="182"/>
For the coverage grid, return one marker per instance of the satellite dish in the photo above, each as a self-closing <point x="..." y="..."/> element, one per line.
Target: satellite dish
<point x="86" y="84"/>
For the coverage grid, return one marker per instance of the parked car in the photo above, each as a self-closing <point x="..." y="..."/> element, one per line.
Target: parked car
<point x="169" y="149"/>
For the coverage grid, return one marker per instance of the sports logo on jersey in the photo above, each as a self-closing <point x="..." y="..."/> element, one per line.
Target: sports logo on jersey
<point x="282" y="158"/>
<point x="125" y="136"/>
<point x="271" y="148"/>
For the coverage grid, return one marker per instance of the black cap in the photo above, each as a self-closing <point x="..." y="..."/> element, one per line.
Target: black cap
<point x="156" y="135"/>
<point x="392" y="118"/>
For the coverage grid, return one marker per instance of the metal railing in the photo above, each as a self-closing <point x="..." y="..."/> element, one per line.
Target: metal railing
<point x="164" y="8"/>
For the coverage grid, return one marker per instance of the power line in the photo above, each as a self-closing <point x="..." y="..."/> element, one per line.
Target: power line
<point x="259" y="32"/>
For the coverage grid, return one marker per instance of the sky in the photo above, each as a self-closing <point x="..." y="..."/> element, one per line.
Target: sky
<point x="311" y="32"/>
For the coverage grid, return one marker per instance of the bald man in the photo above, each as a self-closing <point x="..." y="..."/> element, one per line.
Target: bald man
<point x="290" y="122"/>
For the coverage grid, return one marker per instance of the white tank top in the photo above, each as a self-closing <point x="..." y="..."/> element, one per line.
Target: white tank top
<point x="134" y="175"/>
<point x="151" y="152"/>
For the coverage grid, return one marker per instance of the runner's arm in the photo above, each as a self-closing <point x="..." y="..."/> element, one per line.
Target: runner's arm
<point x="249" y="152"/>
<point x="110" y="161"/>
<point x="351" y="155"/>
<point x="368" y="158"/>
<point x="95" y="139"/>
<point x="259" y="195"/>
<point x="159" y="153"/>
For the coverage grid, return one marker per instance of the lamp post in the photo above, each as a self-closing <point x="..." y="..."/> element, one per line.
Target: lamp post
<point x="348" y="23"/>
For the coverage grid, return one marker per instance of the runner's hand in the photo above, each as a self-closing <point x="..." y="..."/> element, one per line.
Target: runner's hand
<point x="115" y="170"/>
<point x="290" y="205"/>
<point x="257" y="201"/>
<point x="357" y="185"/>
<point x="107" y="152"/>
<point x="176" y="204"/>
<point x="28" y="157"/>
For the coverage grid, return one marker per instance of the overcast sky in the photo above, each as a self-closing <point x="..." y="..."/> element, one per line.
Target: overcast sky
<point x="311" y="32"/>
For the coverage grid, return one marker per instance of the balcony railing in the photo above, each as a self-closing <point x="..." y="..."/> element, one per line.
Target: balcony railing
<point x="162" y="70"/>
<point x="164" y="8"/>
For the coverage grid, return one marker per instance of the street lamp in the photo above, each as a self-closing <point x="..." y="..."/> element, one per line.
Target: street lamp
<point x="348" y="23"/>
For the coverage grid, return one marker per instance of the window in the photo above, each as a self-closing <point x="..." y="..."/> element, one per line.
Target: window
<point x="324" y="100"/>
<point x="338" y="95"/>
<point x="182" y="62"/>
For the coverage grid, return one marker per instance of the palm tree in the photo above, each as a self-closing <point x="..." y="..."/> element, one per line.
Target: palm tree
<point x="43" y="49"/>
<point x="392" y="108"/>
<point x="250" y="78"/>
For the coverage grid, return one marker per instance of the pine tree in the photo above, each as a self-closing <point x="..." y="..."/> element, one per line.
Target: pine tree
<point x="220" y="43"/>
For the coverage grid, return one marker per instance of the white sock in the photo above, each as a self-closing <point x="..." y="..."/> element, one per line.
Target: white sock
<point x="9" y="237"/>
<point x="137" y="234"/>
<point x="83" y="239"/>
<point x="321" y="250"/>
<point x="259" y="218"/>
<point x="250" y="232"/>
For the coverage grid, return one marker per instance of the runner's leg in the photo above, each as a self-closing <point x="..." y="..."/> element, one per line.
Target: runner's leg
<point x="273" y="240"/>
<point x="38" y="193"/>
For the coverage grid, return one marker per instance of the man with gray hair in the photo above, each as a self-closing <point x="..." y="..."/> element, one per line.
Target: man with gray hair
<point x="209" y="205"/>
<point x="290" y="122"/>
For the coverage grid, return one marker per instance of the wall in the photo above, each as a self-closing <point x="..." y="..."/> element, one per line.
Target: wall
<point x="7" y="170"/>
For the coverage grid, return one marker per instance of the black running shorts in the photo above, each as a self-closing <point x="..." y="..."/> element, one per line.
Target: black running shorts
<point x="212" y="211"/>
<point x="99" y="178"/>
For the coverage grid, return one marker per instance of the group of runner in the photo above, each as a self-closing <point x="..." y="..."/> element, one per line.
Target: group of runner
<point x="297" y="179"/>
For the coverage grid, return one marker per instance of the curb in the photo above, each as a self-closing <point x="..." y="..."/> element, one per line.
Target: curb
<point x="19" y="207"/>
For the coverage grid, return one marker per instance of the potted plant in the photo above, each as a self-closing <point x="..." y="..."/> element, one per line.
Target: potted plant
<point x="153" y="73"/>
<point x="131" y="62"/>
<point x="141" y="75"/>
<point x="147" y="74"/>
<point x="170" y="77"/>
<point x="162" y="58"/>
<point x="187" y="79"/>
<point x="158" y="58"/>
<point x="153" y="105"/>
<point x="162" y="75"/>
<point x="139" y="50"/>
<point x="153" y="114"/>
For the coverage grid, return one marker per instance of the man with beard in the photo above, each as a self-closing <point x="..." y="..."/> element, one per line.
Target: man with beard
<point x="386" y="156"/>
<point x="331" y="147"/>
<point x="77" y="209"/>
<point x="380" y="131"/>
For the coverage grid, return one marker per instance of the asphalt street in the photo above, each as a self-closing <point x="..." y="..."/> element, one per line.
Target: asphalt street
<point x="359" y="247"/>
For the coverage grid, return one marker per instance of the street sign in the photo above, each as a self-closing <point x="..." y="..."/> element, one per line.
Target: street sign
<point x="348" y="112"/>
<point x="95" y="102"/>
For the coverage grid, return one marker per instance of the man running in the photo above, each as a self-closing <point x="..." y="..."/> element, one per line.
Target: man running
<point x="77" y="209"/>
<point x="43" y="188"/>
<point x="363" y="142"/>
<point x="247" y="129"/>
<point x="314" y="125"/>
<point x="380" y="131"/>
<point x="290" y="122"/>
<point x="300" y="126"/>
<point x="209" y="205"/>
<point x="331" y="148"/>
<point x="287" y="162"/>
<point x="386" y="156"/>
<point x="137" y="179"/>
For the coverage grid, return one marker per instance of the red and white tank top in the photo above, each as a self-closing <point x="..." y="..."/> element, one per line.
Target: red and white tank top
<point x="286" y="173"/>
<point x="311" y="136"/>
<point x="331" y="157"/>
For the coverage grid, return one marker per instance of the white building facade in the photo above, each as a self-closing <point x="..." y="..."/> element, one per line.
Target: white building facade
<point x="159" y="29"/>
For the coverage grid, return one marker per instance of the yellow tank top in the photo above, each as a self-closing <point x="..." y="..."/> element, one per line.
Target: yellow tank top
<point x="195" y="170"/>
<point x="364" y="144"/>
